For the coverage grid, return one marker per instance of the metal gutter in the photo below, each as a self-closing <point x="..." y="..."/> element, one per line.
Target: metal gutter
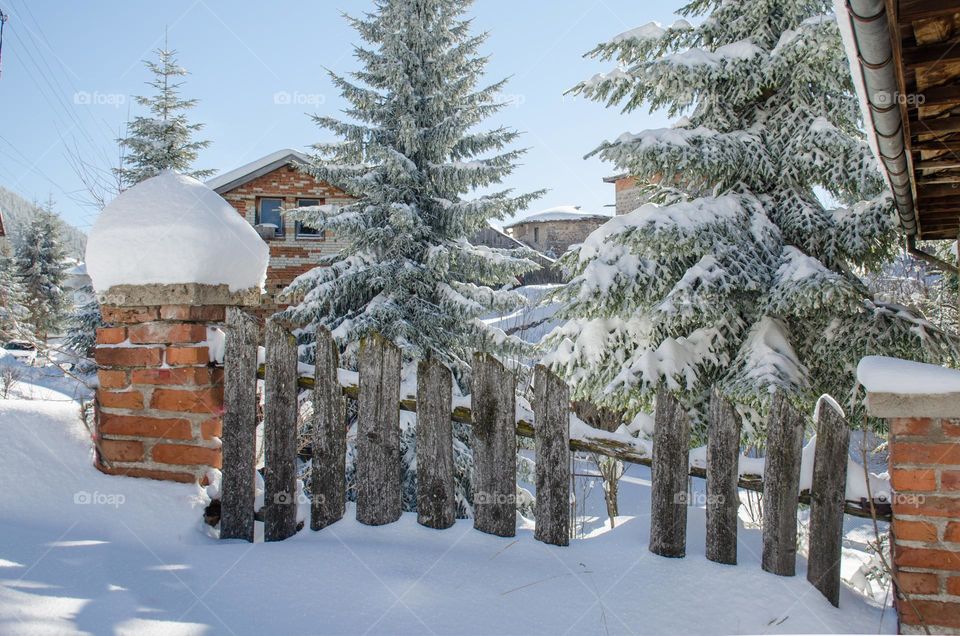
<point x="870" y="27"/>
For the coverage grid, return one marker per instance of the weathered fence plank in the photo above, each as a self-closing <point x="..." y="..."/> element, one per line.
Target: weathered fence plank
<point x="612" y="448"/>
<point x="827" y="500"/>
<point x="436" y="500"/>
<point x="280" y="434"/>
<point x="328" y="484"/>
<point x="551" y="408"/>
<point x="668" y="494"/>
<point x="494" y="447"/>
<point x="238" y="482"/>
<point x="378" y="433"/>
<point x="781" y="483"/>
<point x="723" y="500"/>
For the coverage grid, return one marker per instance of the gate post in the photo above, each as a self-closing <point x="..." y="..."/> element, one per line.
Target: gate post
<point x="166" y="258"/>
<point x="921" y="402"/>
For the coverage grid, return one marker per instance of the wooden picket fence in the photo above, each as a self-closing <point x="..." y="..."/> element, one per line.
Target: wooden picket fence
<point x="495" y="428"/>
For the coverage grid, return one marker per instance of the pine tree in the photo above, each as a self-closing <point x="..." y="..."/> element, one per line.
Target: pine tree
<point x="41" y="269"/>
<point x="162" y="140"/>
<point x="411" y="157"/>
<point x="14" y="316"/>
<point x="738" y="275"/>
<point x="82" y="324"/>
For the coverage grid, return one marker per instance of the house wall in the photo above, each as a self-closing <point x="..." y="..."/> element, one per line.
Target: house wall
<point x="289" y="256"/>
<point x="628" y="196"/>
<point x="553" y="238"/>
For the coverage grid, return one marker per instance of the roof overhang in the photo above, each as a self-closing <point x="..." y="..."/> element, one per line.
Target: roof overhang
<point x="905" y="58"/>
<point x="248" y="172"/>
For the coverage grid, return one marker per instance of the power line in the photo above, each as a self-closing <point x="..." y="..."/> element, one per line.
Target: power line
<point x="3" y="20"/>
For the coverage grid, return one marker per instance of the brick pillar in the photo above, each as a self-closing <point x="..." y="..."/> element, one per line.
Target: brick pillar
<point x="160" y="398"/>
<point x="925" y="533"/>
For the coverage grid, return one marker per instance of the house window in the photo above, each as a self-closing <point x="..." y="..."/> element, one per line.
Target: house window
<point x="536" y="235"/>
<point x="268" y="213"/>
<point x="304" y="230"/>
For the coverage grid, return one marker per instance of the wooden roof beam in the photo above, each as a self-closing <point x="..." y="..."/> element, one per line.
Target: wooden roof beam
<point x="912" y="10"/>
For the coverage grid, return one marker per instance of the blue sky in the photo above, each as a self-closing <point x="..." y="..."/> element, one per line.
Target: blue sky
<point x="69" y="69"/>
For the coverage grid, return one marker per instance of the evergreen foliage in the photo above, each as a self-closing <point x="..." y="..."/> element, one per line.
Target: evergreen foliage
<point x="411" y="155"/>
<point x="737" y="273"/>
<point x="41" y="269"/>
<point x="163" y="139"/>
<point x="14" y="315"/>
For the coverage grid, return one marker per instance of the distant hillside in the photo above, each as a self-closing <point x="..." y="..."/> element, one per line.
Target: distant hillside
<point x="17" y="212"/>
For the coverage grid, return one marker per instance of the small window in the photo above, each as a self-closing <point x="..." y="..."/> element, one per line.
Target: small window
<point x="268" y="213"/>
<point x="304" y="230"/>
<point x="536" y="235"/>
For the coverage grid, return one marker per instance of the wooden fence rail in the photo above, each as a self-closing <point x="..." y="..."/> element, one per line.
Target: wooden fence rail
<point x="611" y="448"/>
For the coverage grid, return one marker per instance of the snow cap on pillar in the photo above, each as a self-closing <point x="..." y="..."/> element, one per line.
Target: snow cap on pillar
<point x="172" y="240"/>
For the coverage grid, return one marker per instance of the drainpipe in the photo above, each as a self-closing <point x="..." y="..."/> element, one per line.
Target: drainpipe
<point x="932" y="260"/>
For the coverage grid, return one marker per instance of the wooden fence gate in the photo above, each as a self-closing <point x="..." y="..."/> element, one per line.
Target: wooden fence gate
<point x="495" y="426"/>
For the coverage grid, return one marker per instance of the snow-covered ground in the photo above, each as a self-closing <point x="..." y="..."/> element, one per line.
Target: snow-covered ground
<point x="84" y="552"/>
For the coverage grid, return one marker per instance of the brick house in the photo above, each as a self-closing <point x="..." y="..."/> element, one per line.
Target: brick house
<point x="553" y="231"/>
<point x="259" y="190"/>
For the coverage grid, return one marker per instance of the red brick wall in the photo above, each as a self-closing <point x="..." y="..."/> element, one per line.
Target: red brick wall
<point x="925" y="535"/>
<point x="160" y="400"/>
<point x="289" y="256"/>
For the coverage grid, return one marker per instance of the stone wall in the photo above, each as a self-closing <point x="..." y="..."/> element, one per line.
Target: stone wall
<point x="160" y="399"/>
<point x="553" y="238"/>
<point x="290" y="255"/>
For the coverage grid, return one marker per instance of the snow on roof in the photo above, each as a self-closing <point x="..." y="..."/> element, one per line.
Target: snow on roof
<point x="559" y="213"/>
<point x="878" y="374"/>
<point x="173" y="229"/>
<point x="256" y="168"/>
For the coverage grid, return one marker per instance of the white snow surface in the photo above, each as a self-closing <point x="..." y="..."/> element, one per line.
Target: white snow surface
<point x="879" y="374"/>
<point x="83" y="552"/>
<point x="173" y="229"/>
<point x="559" y="213"/>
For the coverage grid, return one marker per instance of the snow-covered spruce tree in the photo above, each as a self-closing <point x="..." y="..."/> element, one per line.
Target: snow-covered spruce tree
<point x="82" y="324"/>
<point x="14" y="315"/>
<point x="741" y="277"/>
<point x="411" y="156"/>
<point x="41" y="269"/>
<point x="162" y="140"/>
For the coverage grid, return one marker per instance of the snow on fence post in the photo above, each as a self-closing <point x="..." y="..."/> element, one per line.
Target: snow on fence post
<point x="160" y="399"/>
<point x="378" y="433"/>
<point x="494" y="438"/>
<point x="280" y="433"/>
<point x="436" y="499"/>
<point x="921" y="402"/>
<point x="551" y="408"/>
<point x="723" y="456"/>
<point x="781" y="483"/>
<point x="827" y="499"/>
<point x="238" y="483"/>
<point x="668" y="475"/>
<point x="328" y="486"/>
